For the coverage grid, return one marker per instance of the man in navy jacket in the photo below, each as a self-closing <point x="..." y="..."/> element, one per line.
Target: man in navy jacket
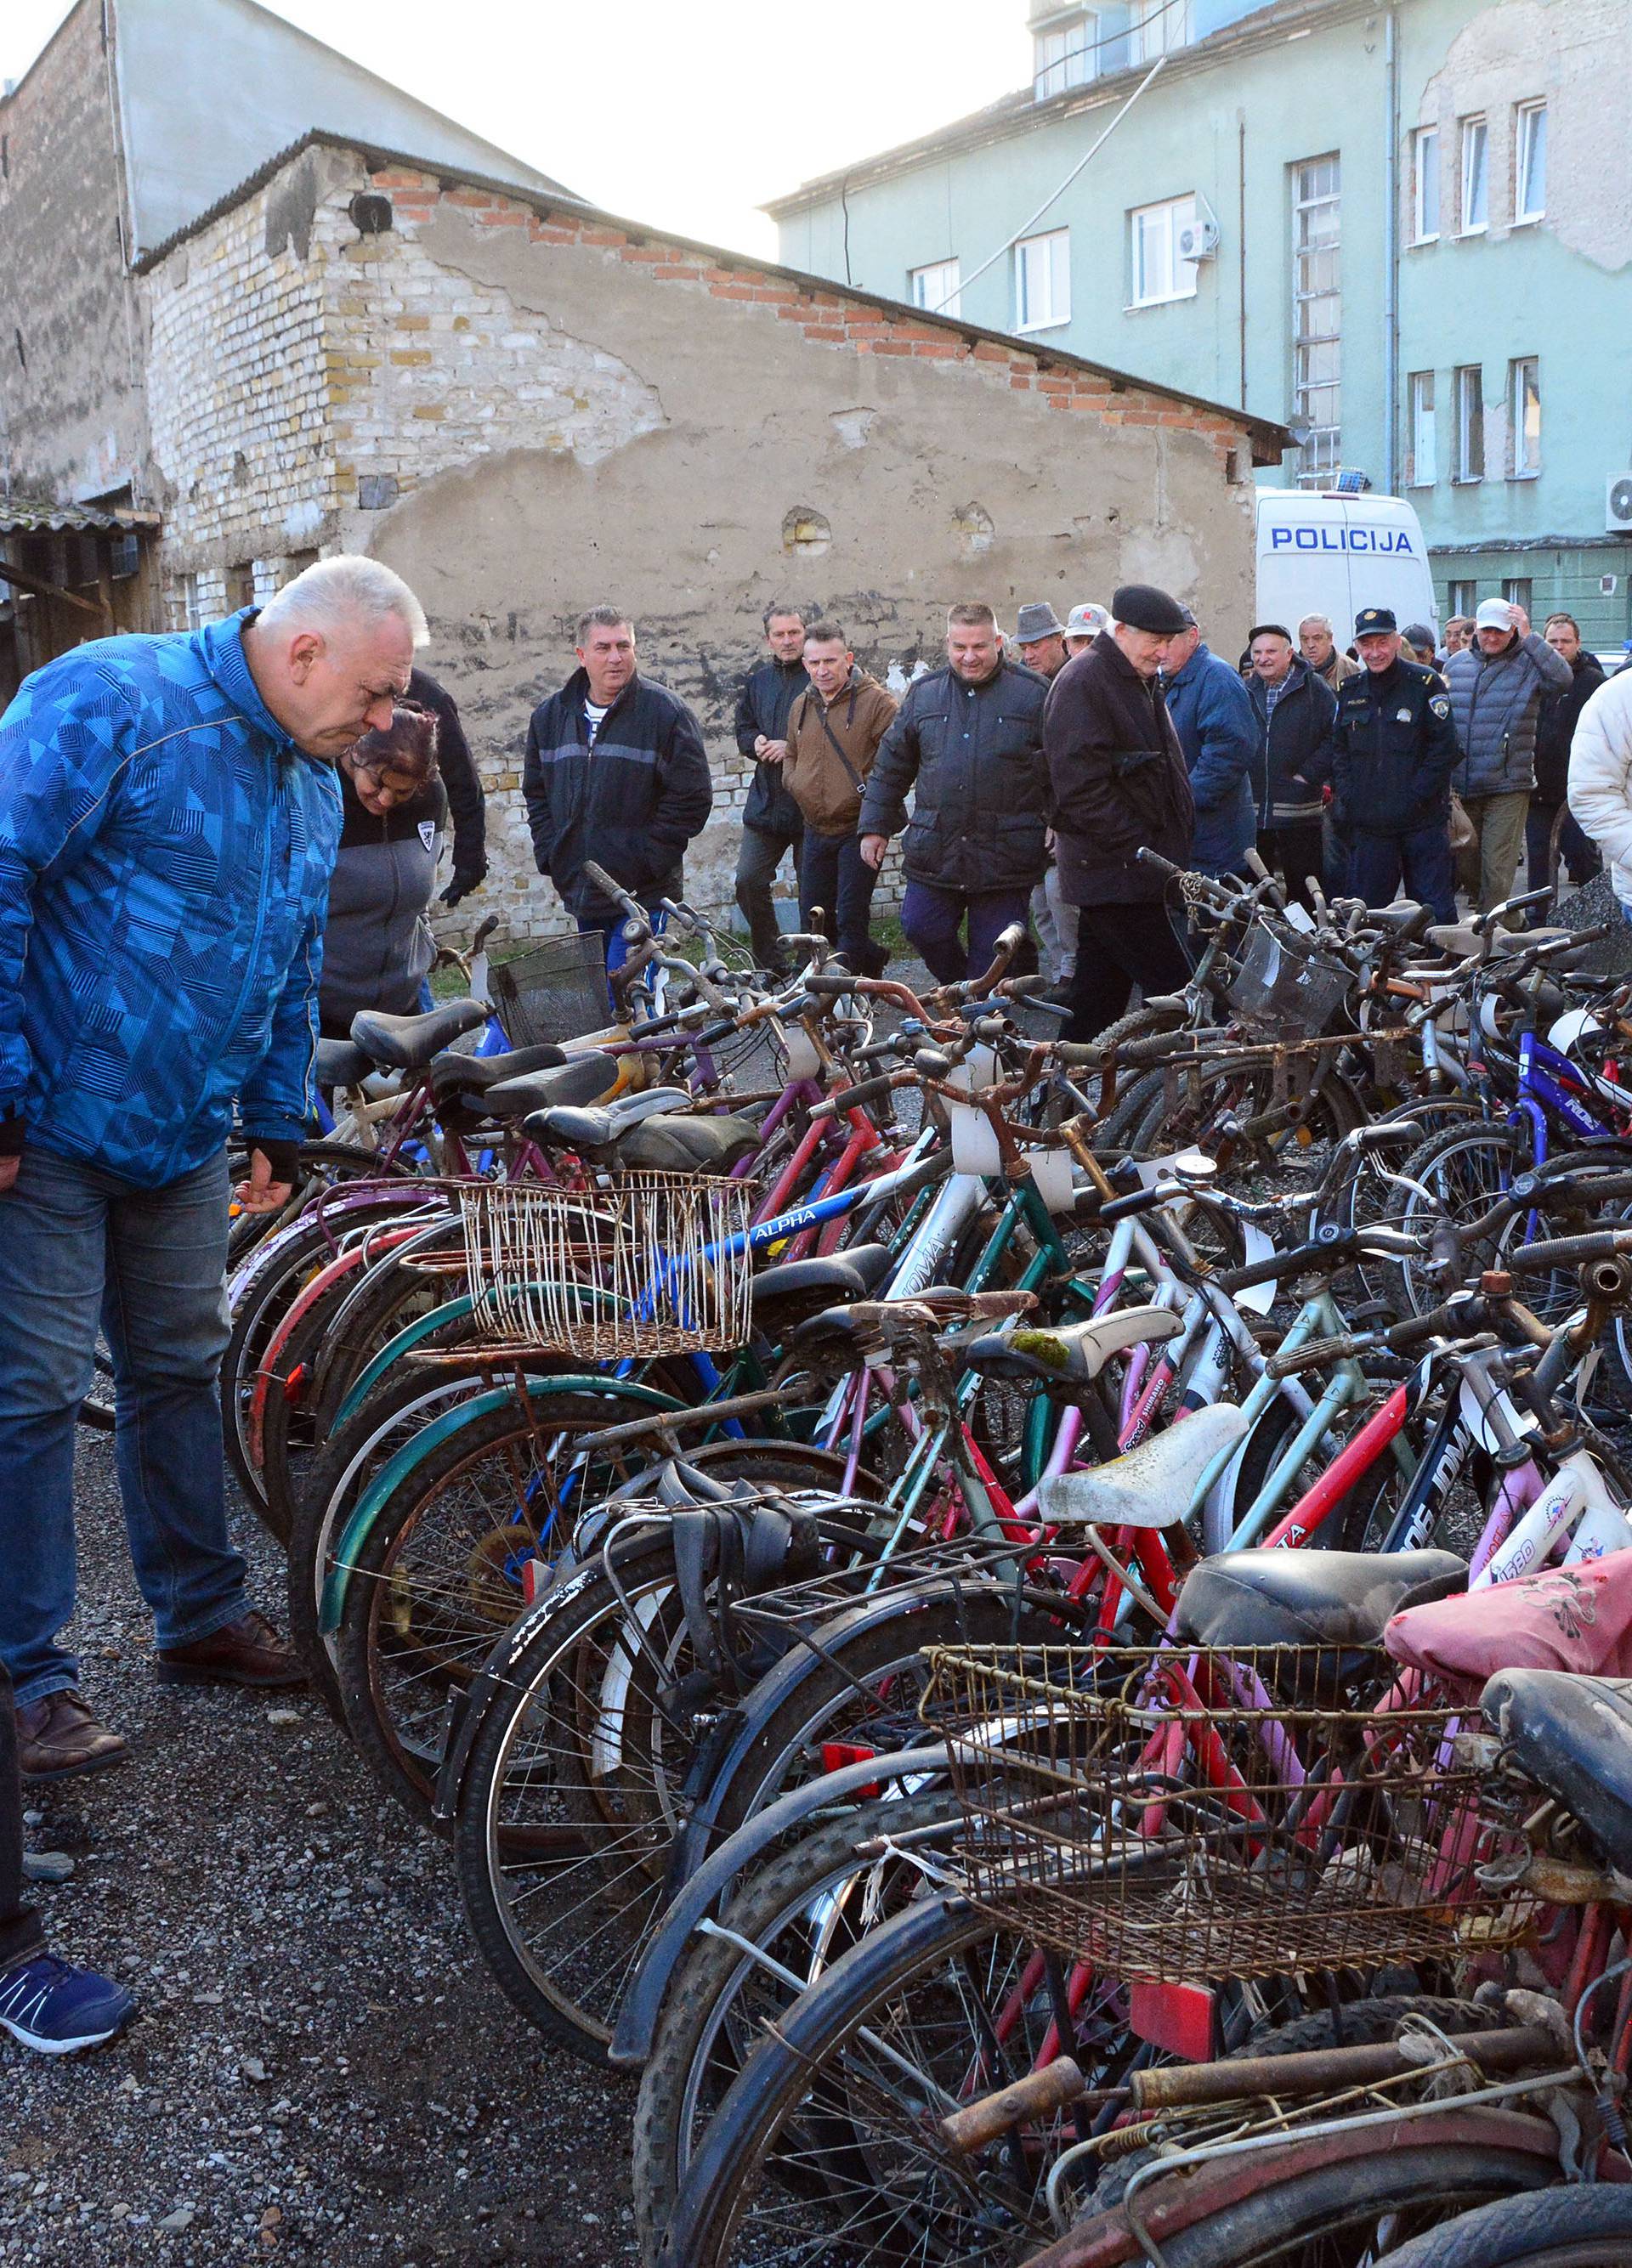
<point x="616" y="777"/>
<point x="1212" y="714"/>
<point x="168" y="818"/>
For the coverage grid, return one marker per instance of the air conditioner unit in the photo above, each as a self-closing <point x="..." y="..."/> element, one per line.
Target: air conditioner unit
<point x="1618" y="505"/>
<point x="1199" y="240"/>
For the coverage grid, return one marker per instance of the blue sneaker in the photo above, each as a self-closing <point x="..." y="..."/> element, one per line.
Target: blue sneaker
<point x="56" y="2009"/>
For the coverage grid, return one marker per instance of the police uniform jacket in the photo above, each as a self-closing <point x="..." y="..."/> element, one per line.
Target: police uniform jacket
<point x="1393" y="750"/>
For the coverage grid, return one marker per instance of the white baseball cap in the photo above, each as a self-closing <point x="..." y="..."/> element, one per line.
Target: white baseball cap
<point x="1088" y="620"/>
<point x="1494" y="614"/>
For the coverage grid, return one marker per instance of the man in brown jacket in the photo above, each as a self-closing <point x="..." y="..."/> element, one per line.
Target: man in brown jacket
<point x="833" y="733"/>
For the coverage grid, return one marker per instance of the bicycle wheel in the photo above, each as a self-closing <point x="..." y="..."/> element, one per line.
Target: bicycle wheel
<point x="827" y="2151"/>
<point x="1560" y="2228"/>
<point x="441" y="1572"/>
<point x="809" y="1904"/>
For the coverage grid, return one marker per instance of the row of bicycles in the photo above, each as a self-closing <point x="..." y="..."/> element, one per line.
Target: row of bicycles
<point x="1021" y="1642"/>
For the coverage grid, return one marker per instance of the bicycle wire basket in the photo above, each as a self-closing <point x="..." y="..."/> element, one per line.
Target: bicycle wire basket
<point x="1284" y="991"/>
<point x="1182" y="1814"/>
<point x="553" y="991"/>
<point x="629" y="1269"/>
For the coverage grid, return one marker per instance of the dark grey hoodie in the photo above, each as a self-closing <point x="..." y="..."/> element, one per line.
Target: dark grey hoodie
<point x="377" y="944"/>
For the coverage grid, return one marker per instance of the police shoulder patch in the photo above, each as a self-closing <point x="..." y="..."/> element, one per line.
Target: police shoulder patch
<point x="1440" y="704"/>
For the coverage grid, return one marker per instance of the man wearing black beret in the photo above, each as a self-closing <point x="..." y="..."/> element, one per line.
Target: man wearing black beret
<point x="1119" y="783"/>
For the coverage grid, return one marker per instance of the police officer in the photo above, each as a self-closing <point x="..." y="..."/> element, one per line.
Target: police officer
<point x="1394" y="748"/>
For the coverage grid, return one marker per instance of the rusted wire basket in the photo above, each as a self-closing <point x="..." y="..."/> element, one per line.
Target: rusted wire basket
<point x="631" y="1270"/>
<point x="553" y="991"/>
<point x="1188" y="1815"/>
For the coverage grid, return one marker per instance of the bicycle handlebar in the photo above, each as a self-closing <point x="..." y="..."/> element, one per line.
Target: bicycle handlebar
<point x="1571" y="1251"/>
<point x="600" y="879"/>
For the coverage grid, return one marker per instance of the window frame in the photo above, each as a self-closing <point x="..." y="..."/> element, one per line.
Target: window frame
<point x="1520" y="590"/>
<point x="1526" y="118"/>
<point x="952" y="304"/>
<point x="1475" y="133"/>
<point x="1083" y="53"/>
<point x="1054" y="319"/>
<point x="1420" y="383"/>
<point x="1462" y="598"/>
<point x="1468" y="380"/>
<point x="1169" y="207"/>
<point x="1420" y="232"/>
<point x="1521" y="466"/>
<point x="1322" y="455"/>
<point x="1171" y="18"/>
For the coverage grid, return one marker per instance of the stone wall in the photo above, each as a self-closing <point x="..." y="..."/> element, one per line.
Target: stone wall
<point x="71" y="422"/>
<point x="528" y="413"/>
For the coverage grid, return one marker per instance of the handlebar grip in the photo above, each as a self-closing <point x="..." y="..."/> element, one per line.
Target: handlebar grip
<point x="1325" y="1251"/>
<point x="486" y="930"/>
<point x="829" y="987"/>
<point x="1037" y="2095"/>
<point x="600" y="879"/>
<point x="1079" y="1055"/>
<point x="1154" y="858"/>
<point x="1310" y="1355"/>
<point x="1569" y="1251"/>
<point x="1126" y="1208"/>
<point x="857" y="1098"/>
<point x="723" y="1028"/>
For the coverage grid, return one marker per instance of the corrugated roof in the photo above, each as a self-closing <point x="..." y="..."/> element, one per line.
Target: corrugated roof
<point x="18" y="518"/>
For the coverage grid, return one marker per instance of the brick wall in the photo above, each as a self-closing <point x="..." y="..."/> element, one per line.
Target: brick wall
<point x="528" y="413"/>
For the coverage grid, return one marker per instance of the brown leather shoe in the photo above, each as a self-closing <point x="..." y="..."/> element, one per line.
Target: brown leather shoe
<point x="59" y="1736"/>
<point x="248" y="1651"/>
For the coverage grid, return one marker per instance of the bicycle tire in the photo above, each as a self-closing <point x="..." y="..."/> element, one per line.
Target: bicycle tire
<point x="692" y="2060"/>
<point x="1564" y="2228"/>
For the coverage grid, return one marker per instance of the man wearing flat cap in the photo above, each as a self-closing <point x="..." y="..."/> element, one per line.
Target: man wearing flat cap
<point x="1393" y="749"/>
<point x="1040" y="640"/>
<point x="1117" y="778"/>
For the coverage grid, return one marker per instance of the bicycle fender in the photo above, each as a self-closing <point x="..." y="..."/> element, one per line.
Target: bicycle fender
<point x="704" y="1893"/>
<point x="393" y="1351"/>
<point x="693" y="1844"/>
<point x="360" y="1525"/>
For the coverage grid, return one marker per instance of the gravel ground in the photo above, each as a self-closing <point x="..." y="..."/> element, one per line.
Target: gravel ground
<point x="320" y="2070"/>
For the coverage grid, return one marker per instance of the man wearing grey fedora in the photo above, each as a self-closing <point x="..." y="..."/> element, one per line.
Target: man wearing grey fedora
<point x="1040" y="641"/>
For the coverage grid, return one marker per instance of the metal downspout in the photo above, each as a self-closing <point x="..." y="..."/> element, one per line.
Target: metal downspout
<point x="1391" y="261"/>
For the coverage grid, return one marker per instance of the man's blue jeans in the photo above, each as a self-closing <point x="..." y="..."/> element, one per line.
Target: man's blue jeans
<point x="932" y="918"/>
<point x="81" y="1246"/>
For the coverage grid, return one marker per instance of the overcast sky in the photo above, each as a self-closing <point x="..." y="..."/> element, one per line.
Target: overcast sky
<point x="687" y="113"/>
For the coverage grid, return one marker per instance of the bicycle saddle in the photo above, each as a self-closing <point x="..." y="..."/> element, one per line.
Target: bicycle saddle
<point x="801" y="1288"/>
<point x="1408" y="920"/>
<point x="579" y="1079"/>
<point x="1152" y="1485"/>
<point x="459" y="1084"/>
<point x="340" y="1064"/>
<point x="1455" y="940"/>
<point x="568" y="1122"/>
<point x="1271" y="1597"/>
<point x="1573" y="1736"/>
<point x="1075" y="1353"/>
<point x="409" y="1042"/>
<point x="662" y="1143"/>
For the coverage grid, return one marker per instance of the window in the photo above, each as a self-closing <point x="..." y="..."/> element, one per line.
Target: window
<point x="1516" y="590"/>
<point x="1523" y="409"/>
<point x="1157" y="271"/>
<point x="935" y="288"/>
<point x="299" y="561"/>
<point x="1475" y="169"/>
<point x="1463" y="598"/>
<point x="1529" y="162"/>
<point x="1425" y="186"/>
<point x="1319" y="304"/>
<point x="192" y="606"/>
<point x="1066" y="55"/>
<point x="240" y="587"/>
<point x="1158" y="27"/>
<point x="1424" y="453"/>
<point x="1470" y="391"/>
<point x="1043" y="281"/>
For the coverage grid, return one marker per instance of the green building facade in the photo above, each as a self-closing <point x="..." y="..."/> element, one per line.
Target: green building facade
<point x="1407" y="231"/>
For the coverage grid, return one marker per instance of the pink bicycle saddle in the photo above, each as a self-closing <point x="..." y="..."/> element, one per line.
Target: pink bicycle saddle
<point x="1578" y="1618"/>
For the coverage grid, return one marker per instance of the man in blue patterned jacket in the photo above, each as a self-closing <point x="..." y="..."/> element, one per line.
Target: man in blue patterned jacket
<point x="168" y="818"/>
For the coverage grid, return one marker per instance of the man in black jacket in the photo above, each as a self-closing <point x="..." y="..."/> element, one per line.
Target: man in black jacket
<point x="967" y="740"/>
<point x="461" y="779"/>
<point x="1296" y="712"/>
<point x="1120" y="786"/>
<point x="615" y="773"/>
<point x="771" y="818"/>
<point x="1555" y="729"/>
<point x="1394" y="750"/>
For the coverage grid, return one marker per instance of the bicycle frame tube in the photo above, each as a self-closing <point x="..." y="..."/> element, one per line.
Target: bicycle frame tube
<point x="1358" y="1457"/>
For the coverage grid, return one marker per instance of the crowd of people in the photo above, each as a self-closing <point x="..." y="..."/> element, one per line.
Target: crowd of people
<point x="213" y="843"/>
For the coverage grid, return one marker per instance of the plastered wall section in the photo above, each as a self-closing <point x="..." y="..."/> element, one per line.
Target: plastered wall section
<point x="526" y="416"/>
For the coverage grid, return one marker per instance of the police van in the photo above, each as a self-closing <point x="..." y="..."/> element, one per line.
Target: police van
<point x="1323" y="553"/>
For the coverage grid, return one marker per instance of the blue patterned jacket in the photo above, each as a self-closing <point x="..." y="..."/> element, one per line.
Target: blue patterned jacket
<point x="165" y="852"/>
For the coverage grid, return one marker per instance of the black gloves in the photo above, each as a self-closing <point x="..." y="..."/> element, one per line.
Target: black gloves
<point x="465" y="879"/>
